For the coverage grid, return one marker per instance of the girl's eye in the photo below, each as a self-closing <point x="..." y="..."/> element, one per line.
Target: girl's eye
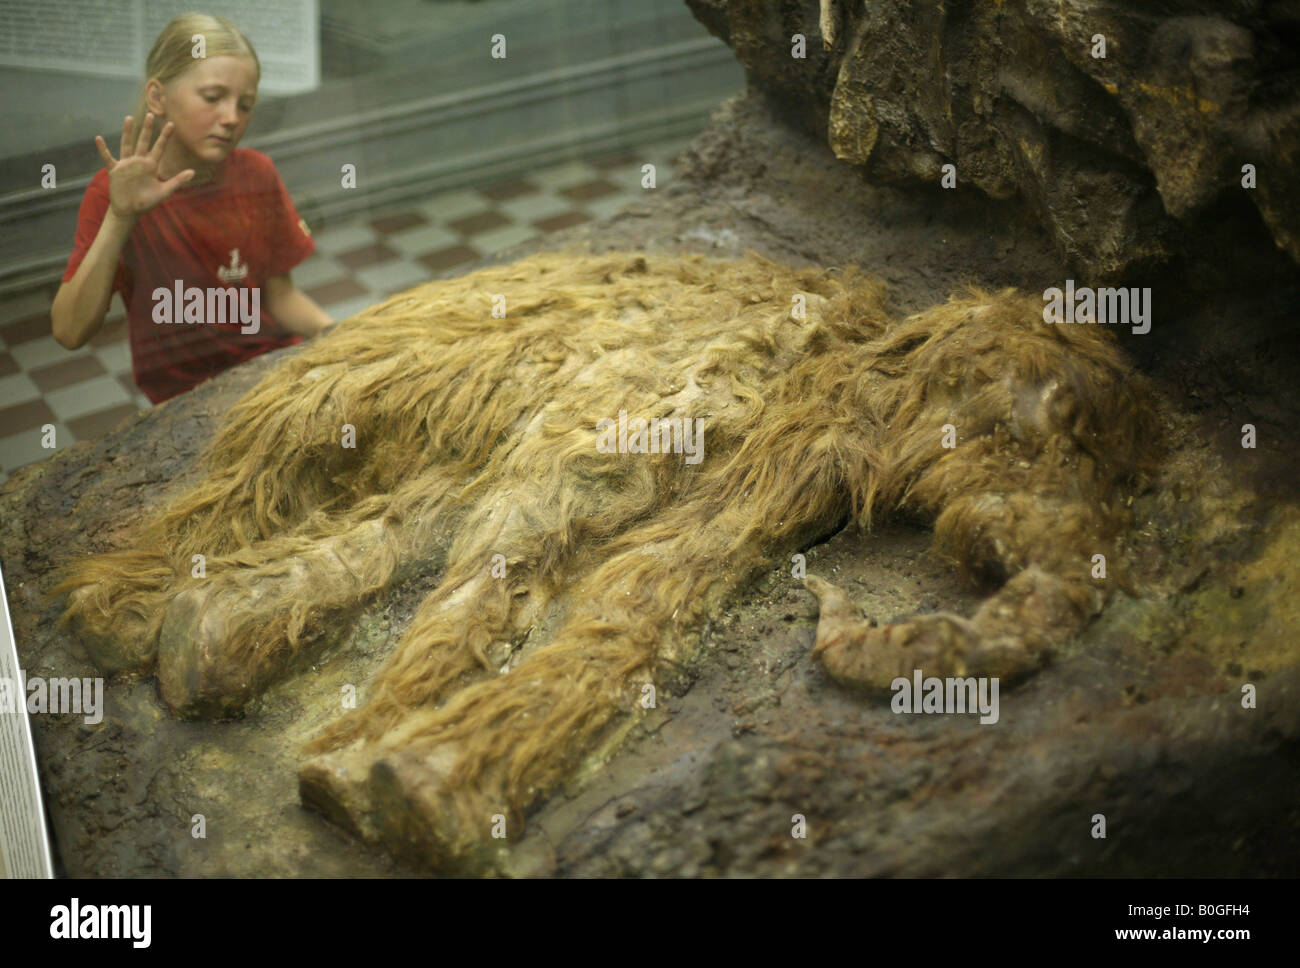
<point x="214" y="100"/>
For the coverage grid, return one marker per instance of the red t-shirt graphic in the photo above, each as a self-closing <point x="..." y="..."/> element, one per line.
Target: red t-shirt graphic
<point x="235" y="231"/>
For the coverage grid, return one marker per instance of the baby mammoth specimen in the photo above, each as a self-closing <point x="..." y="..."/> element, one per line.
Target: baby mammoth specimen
<point x="477" y="449"/>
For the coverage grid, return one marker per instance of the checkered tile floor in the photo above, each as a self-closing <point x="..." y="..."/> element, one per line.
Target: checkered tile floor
<point x="86" y="392"/>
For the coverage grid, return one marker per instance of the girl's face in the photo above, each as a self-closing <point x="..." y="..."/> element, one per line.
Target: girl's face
<point x="209" y="106"/>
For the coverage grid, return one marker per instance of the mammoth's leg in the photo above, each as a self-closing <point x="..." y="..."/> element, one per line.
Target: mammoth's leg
<point x="543" y="503"/>
<point x="466" y="627"/>
<point x="275" y="461"/>
<point x="431" y="784"/>
<point x="225" y="637"/>
<point x="115" y="607"/>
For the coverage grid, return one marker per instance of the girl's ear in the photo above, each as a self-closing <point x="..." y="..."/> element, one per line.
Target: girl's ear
<point x="154" y="98"/>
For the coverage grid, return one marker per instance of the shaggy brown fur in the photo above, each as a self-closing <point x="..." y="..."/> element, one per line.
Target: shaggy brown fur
<point x="479" y="432"/>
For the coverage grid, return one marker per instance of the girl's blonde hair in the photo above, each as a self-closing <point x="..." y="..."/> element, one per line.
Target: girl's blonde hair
<point x="172" y="53"/>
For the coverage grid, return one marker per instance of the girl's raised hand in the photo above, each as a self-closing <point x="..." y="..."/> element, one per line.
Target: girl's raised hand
<point x="133" y="183"/>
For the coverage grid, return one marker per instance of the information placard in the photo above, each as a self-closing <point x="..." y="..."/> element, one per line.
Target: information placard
<point x="111" y="38"/>
<point x="24" y="841"/>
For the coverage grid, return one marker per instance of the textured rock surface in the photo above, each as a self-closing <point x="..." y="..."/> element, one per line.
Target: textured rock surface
<point x="1139" y="718"/>
<point x="1121" y="156"/>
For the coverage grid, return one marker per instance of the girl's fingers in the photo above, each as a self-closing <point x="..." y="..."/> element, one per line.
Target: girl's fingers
<point x="128" y="125"/>
<point x="142" y="146"/>
<point x="176" y="181"/>
<point x="109" y="160"/>
<point x="158" y="145"/>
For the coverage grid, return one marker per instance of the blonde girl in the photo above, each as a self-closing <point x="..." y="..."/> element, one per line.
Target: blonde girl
<point x="197" y="234"/>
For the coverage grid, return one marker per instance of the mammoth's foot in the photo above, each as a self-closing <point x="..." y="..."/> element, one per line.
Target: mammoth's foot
<point x="227" y="637"/>
<point x="335" y="786"/>
<point x="406" y="800"/>
<point x="115" y="608"/>
<point x="123" y="641"/>
<point x="857" y="653"/>
<point x="197" y="673"/>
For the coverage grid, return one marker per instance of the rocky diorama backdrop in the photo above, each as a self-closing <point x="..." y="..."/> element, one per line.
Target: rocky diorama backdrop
<point x="1150" y="148"/>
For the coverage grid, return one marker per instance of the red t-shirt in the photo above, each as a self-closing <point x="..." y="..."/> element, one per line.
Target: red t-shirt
<point x="235" y="231"/>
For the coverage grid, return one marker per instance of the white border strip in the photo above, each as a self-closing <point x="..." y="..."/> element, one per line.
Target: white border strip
<point x="24" y="841"/>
